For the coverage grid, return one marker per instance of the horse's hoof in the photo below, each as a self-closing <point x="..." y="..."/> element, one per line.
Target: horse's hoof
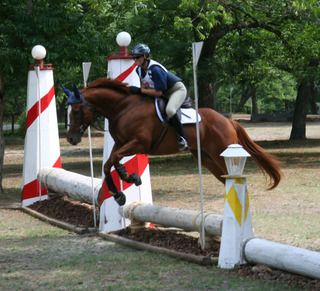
<point x="120" y="198"/>
<point x="134" y="178"/>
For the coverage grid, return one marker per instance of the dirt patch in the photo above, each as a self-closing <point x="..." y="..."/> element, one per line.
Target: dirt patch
<point x="67" y="210"/>
<point x="263" y="272"/>
<point x="80" y="214"/>
<point x="170" y="239"/>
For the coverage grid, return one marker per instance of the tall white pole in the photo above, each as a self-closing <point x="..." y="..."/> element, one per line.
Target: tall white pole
<point x="196" y="50"/>
<point x="37" y="70"/>
<point x="85" y="70"/>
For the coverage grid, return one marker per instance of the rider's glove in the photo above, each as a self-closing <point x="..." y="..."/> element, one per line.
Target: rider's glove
<point x="135" y="89"/>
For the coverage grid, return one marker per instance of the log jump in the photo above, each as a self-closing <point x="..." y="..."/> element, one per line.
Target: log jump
<point x="75" y="186"/>
<point x="78" y="187"/>
<point x="188" y="220"/>
<point x="256" y="250"/>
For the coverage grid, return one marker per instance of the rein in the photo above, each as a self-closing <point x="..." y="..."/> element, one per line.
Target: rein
<point x="83" y="126"/>
<point x="97" y="127"/>
<point x="97" y="115"/>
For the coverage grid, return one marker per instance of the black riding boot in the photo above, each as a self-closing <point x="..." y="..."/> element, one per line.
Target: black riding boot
<point x="174" y="121"/>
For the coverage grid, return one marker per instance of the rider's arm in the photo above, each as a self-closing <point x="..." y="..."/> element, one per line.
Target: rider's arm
<point x="159" y="77"/>
<point x="151" y="92"/>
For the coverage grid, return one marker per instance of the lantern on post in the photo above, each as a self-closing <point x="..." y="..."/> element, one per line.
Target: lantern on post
<point x="235" y="158"/>
<point x="237" y="226"/>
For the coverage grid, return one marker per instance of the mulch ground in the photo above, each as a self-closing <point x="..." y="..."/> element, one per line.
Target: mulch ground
<point x="81" y="214"/>
<point x="67" y="210"/>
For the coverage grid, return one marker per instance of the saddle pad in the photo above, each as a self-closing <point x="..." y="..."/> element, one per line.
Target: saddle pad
<point x="188" y="116"/>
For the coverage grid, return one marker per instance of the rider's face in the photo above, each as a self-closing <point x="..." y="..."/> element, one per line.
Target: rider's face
<point x="139" y="60"/>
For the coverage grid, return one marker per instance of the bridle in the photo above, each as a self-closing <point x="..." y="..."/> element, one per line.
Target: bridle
<point x="80" y="117"/>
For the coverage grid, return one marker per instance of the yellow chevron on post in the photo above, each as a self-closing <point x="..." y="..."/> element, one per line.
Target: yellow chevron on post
<point x="234" y="204"/>
<point x="247" y="206"/>
<point x="239" y="180"/>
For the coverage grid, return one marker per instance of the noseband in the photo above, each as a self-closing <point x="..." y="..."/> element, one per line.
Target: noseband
<point x="78" y="116"/>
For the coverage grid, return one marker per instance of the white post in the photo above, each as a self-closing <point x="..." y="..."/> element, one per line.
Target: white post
<point x="121" y="66"/>
<point x="196" y="51"/>
<point x="85" y="70"/>
<point x="42" y="147"/>
<point x="237" y="225"/>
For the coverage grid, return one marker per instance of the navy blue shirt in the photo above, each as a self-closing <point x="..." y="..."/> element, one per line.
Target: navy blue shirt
<point x="158" y="77"/>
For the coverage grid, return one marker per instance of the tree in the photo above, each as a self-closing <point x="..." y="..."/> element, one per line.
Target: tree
<point x="1" y="132"/>
<point x="71" y="31"/>
<point x="299" y="55"/>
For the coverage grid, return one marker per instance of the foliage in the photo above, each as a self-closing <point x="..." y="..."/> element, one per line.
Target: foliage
<point x="25" y="24"/>
<point x="253" y="39"/>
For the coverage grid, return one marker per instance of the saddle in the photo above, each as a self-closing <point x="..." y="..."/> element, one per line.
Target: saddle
<point x="186" y="112"/>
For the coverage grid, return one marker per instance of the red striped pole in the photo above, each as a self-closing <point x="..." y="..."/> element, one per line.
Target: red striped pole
<point x="122" y="67"/>
<point x="41" y="148"/>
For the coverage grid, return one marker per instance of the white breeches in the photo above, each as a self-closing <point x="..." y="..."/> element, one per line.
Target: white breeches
<point x="176" y="95"/>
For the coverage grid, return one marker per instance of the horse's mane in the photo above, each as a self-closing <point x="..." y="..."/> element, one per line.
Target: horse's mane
<point x="114" y="84"/>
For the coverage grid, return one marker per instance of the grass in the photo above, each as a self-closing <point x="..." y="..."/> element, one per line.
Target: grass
<point x="37" y="256"/>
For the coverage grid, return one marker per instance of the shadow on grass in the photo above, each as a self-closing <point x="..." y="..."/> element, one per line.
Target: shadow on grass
<point x="10" y="195"/>
<point x="290" y="144"/>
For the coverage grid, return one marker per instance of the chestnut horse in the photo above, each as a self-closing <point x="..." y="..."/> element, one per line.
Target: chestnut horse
<point x="135" y="128"/>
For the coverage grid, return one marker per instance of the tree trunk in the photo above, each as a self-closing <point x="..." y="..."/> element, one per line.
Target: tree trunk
<point x="254" y="104"/>
<point x="243" y="99"/>
<point x="313" y="100"/>
<point x="249" y="92"/>
<point x="1" y="131"/>
<point x="207" y="90"/>
<point x="298" y="130"/>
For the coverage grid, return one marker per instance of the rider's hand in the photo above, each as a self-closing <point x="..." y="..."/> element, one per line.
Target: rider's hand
<point x="135" y="89"/>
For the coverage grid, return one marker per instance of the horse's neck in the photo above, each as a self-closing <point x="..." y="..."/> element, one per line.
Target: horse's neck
<point x="111" y="103"/>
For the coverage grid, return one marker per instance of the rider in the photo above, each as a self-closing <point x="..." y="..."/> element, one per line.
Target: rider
<point x="156" y="80"/>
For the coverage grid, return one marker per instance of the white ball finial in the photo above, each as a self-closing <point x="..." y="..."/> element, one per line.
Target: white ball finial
<point x="123" y="39"/>
<point x="38" y="52"/>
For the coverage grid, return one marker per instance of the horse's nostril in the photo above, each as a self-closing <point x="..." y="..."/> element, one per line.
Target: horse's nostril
<point x="74" y="140"/>
<point x="70" y="140"/>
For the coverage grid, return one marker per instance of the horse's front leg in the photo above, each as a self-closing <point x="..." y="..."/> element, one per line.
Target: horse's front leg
<point x="133" y="178"/>
<point x="117" y="195"/>
<point x="117" y="153"/>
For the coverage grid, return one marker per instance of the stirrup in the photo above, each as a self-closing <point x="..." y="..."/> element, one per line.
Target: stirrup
<point x="182" y="143"/>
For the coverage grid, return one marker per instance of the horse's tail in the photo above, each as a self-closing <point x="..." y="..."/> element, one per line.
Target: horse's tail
<point x="266" y="162"/>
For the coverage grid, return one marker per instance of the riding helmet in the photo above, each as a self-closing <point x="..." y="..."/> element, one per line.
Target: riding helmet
<point x="141" y="49"/>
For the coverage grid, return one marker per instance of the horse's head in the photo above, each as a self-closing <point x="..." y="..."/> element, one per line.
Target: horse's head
<point x="100" y="92"/>
<point x="81" y="115"/>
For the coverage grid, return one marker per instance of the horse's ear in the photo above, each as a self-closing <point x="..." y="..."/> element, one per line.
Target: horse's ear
<point x="71" y="98"/>
<point x="77" y="93"/>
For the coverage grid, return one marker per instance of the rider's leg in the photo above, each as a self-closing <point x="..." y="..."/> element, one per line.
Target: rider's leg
<point x="175" y="122"/>
<point x="177" y="94"/>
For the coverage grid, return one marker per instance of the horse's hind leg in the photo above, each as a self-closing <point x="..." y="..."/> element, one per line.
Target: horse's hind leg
<point x="133" y="178"/>
<point x="215" y="166"/>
